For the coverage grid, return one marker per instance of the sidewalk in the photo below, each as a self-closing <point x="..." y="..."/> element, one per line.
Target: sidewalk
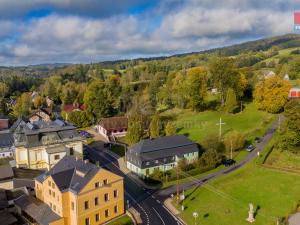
<point x="168" y="204"/>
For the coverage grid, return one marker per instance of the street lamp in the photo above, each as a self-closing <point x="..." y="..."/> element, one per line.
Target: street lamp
<point x="195" y="215"/>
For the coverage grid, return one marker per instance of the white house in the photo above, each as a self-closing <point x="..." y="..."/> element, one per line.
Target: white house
<point x="6" y="144"/>
<point x="113" y="127"/>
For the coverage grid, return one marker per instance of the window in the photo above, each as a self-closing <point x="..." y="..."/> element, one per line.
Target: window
<point x="97" y="217"/>
<point x="53" y="194"/>
<point x="115" y="193"/>
<point x="56" y="157"/>
<point x="53" y="185"/>
<point x="49" y="192"/>
<point x="116" y="209"/>
<point x="106" y="197"/>
<point x="50" y="205"/>
<point x="96" y="201"/>
<point x="147" y="163"/>
<point x="156" y="161"/>
<point x="54" y="207"/>
<point x="106" y="213"/>
<point x="97" y="185"/>
<point x="105" y="182"/>
<point x="72" y="205"/>
<point x="86" y="204"/>
<point x="71" y="151"/>
<point x="49" y="183"/>
<point x="87" y="221"/>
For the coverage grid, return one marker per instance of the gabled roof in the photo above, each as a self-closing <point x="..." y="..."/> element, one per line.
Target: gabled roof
<point x="114" y="123"/>
<point x="70" y="174"/>
<point x="72" y="107"/>
<point x="150" y="145"/>
<point x="6" y="139"/>
<point x="38" y="210"/>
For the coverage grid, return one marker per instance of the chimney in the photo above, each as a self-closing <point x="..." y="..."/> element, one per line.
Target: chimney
<point x="97" y="163"/>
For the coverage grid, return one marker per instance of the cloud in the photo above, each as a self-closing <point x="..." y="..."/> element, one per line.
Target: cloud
<point x="75" y="34"/>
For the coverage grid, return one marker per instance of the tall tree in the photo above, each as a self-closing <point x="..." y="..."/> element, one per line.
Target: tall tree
<point x="196" y="84"/>
<point x="231" y="102"/>
<point x="23" y="106"/>
<point x="170" y="129"/>
<point x="271" y="94"/>
<point x="4" y="89"/>
<point x="98" y="100"/>
<point x="135" y="129"/>
<point x="155" y="126"/>
<point x="224" y="75"/>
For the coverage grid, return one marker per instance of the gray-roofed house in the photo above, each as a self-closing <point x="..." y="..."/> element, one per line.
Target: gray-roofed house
<point x="77" y="190"/>
<point x="35" y="211"/>
<point x="161" y="153"/>
<point x="41" y="144"/>
<point x="6" y="144"/>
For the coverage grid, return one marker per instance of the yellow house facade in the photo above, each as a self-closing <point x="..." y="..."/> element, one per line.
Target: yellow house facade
<point x="81" y="193"/>
<point x="40" y="145"/>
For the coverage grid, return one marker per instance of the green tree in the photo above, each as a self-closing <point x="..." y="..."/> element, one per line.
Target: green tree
<point x="271" y="94"/>
<point x="98" y="100"/>
<point x="231" y="102"/>
<point x="23" y="106"/>
<point x="234" y="140"/>
<point x="196" y="85"/>
<point x="170" y="129"/>
<point x="155" y="126"/>
<point x="4" y="89"/>
<point x="224" y="75"/>
<point x="135" y="129"/>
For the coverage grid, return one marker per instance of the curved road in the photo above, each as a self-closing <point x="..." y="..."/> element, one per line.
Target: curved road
<point x="149" y="203"/>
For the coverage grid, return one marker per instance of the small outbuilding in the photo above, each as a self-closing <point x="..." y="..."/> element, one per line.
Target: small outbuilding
<point x="113" y="127"/>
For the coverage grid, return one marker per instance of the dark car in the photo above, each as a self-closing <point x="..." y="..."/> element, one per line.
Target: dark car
<point x="228" y="162"/>
<point x="85" y="134"/>
<point x="250" y="148"/>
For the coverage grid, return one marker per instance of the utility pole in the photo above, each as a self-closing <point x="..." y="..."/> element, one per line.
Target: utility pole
<point x="220" y="127"/>
<point x="279" y="121"/>
<point x="177" y="183"/>
<point x="231" y="148"/>
<point x="241" y="106"/>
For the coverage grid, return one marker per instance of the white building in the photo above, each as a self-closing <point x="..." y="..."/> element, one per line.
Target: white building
<point x="6" y="144"/>
<point x="113" y="127"/>
<point x="40" y="145"/>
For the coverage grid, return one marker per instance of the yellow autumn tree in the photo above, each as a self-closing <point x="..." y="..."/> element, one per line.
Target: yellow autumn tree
<point x="271" y="94"/>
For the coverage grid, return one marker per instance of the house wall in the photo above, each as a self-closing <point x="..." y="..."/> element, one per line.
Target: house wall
<point x="77" y="216"/>
<point x="190" y="157"/>
<point x="6" y="152"/>
<point x="90" y="192"/>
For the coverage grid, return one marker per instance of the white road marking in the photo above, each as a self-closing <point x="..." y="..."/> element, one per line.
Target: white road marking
<point x="178" y="221"/>
<point x="159" y="216"/>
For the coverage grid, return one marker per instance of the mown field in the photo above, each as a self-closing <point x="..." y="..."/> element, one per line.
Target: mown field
<point x="198" y="125"/>
<point x="225" y="200"/>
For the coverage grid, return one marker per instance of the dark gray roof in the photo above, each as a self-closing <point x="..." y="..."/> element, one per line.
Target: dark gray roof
<point x="162" y="150"/>
<point x="70" y="174"/>
<point x="6" y="172"/>
<point x="41" y="133"/>
<point x="7" y="218"/>
<point x="6" y="140"/>
<point x="168" y="142"/>
<point x="38" y="210"/>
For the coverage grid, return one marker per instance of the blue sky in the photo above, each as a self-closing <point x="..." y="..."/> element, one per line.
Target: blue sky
<point x="76" y="31"/>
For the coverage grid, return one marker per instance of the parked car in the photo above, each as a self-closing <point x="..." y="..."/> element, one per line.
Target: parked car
<point x="228" y="162"/>
<point x="250" y="148"/>
<point x="85" y="134"/>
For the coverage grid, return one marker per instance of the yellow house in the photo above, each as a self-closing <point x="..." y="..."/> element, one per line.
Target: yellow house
<point x="81" y="193"/>
<point x="41" y="144"/>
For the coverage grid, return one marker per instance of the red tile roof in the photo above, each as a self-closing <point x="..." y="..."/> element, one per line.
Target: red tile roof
<point x="72" y="107"/>
<point x="114" y="123"/>
<point x="3" y="124"/>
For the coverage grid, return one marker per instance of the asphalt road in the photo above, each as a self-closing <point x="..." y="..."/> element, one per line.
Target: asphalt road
<point x="149" y="203"/>
<point x="144" y="201"/>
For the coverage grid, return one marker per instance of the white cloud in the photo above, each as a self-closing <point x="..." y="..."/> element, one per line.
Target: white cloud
<point x="192" y="25"/>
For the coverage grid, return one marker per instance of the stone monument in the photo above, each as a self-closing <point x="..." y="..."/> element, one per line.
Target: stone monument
<point x="250" y="218"/>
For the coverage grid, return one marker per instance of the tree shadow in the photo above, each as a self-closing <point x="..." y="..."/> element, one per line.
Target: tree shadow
<point x="206" y="215"/>
<point x="256" y="211"/>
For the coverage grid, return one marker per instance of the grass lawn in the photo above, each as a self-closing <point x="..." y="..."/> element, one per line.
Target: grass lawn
<point x="225" y="200"/>
<point x="124" y="220"/>
<point x="198" y="125"/>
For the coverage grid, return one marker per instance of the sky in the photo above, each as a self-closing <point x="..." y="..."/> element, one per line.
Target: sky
<point x="85" y="31"/>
